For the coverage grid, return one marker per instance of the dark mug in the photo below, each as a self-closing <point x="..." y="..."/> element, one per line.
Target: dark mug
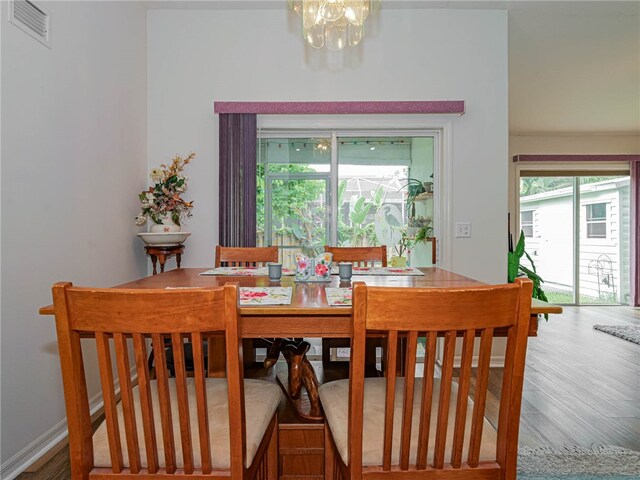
<point x="345" y="270"/>
<point x="275" y="271"/>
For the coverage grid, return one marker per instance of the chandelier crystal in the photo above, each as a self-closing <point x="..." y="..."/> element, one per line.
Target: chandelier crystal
<point x="334" y="23"/>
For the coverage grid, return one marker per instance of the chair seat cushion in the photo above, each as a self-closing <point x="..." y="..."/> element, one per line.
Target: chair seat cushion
<point x="261" y="402"/>
<point x="335" y="395"/>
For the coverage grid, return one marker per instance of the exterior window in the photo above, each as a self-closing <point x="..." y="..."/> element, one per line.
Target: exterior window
<point x="597" y="220"/>
<point x="310" y="194"/>
<point x="581" y="245"/>
<point x="526" y="223"/>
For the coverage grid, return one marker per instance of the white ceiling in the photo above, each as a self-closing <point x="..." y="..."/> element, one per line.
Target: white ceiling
<point x="574" y="66"/>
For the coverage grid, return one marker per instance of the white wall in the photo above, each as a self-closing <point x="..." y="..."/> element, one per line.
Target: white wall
<point x="196" y="57"/>
<point x="73" y="160"/>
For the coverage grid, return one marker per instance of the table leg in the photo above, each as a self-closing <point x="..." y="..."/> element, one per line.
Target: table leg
<point x="178" y="258"/>
<point x="217" y="357"/>
<point x="162" y="258"/>
<point x="533" y="326"/>
<point x="248" y="352"/>
<point x="154" y="259"/>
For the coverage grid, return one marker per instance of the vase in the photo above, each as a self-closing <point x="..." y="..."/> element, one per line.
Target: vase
<point x="167" y="226"/>
<point x="398" y="261"/>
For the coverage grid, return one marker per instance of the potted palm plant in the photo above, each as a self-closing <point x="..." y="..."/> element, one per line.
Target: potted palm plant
<point x="403" y="247"/>
<point x="517" y="269"/>
<point x="407" y="242"/>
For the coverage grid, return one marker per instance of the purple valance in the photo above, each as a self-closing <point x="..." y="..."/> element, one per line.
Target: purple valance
<point x="603" y="158"/>
<point x="335" y="108"/>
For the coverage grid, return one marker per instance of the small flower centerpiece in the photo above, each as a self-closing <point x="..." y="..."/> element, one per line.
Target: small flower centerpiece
<point x="162" y="203"/>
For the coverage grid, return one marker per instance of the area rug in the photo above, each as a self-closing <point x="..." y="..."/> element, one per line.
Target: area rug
<point x="630" y="333"/>
<point x="593" y="462"/>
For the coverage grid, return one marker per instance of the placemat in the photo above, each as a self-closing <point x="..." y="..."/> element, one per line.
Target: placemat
<point x="386" y="271"/>
<point x="338" y="297"/>
<point x="265" y="295"/>
<point x="264" y="271"/>
<point x="244" y="271"/>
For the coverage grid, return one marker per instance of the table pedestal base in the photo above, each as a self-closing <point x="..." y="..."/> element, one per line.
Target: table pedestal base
<point x="299" y="373"/>
<point x="302" y="403"/>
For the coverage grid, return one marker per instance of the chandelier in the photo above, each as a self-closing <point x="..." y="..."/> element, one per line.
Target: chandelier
<point x="334" y="23"/>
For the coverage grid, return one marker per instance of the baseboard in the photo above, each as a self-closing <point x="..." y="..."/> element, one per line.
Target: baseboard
<point x="42" y="445"/>
<point x="497" y="361"/>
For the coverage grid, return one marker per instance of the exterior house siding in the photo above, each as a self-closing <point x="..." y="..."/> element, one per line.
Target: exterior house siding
<point x="603" y="267"/>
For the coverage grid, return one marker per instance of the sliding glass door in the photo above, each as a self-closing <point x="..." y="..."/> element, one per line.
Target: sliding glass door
<point x="577" y="232"/>
<point x="293" y="196"/>
<point x="344" y="190"/>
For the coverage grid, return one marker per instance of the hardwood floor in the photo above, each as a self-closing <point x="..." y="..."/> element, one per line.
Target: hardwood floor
<point x="57" y="468"/>
<point x="581" y="387"/>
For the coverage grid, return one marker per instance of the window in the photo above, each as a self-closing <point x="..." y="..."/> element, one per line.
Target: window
<point x="597" y="220"/>
<point x="526" y="223"/>
<point x="293" y="185"/>
<point x="343" y="190"/>
<point x="581" y="245"/>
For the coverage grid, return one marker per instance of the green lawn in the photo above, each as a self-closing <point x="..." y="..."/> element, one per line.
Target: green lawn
<point x="565" y="297"/>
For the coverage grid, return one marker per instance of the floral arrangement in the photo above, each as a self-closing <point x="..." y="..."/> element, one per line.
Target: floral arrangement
<point x="163" y="201"/>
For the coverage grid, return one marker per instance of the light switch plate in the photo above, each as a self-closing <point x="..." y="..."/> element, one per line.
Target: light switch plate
<point x="463" y="229"/>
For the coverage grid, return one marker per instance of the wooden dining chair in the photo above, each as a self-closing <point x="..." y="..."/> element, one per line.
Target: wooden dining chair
<point x="433" y="426"/>
<point x="222" y="426"/>
<point x="245" y="256"/>
<point x="359" y="256"/>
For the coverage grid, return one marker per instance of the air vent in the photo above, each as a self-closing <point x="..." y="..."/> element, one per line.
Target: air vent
<point x="31" y="19"/>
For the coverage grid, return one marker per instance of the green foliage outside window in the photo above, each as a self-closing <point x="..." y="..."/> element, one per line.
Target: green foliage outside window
<point x="533" y="185"/>
<point x="298" y="214"/>
<point x="292" y="203"/>
<point x="360" y="231"/>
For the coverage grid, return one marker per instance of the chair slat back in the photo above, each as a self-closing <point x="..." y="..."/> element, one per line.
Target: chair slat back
<point x="123" y="323"/>
<point x="245" y="256"/>
<point x="462" y="318"/>
<point x="359" y="256"/>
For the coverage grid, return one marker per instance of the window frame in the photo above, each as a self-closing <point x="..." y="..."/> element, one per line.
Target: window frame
<point x="597" y="221"/>
<point x="576" y="169"/>
<point x="531" y="224"/>
<point x="270" y="177"/>
<point x="392" y="125"/>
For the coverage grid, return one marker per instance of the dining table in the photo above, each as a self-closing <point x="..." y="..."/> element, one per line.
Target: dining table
<point x="308" y="314"/>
